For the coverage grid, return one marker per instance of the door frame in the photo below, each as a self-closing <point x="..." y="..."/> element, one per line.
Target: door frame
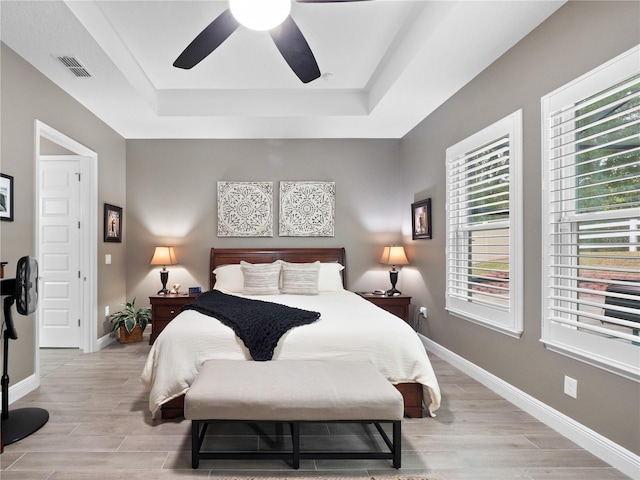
<point x="88" y="234"/>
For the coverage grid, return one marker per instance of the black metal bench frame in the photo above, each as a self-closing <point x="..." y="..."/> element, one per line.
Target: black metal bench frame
<point x="199" y="430"/>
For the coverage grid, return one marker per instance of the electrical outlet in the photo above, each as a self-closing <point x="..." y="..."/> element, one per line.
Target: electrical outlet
<point x="107" y="259"/>
<point x="423" y="312"/>
<point x="106" y="311"/>
<point x="571" y="386"/>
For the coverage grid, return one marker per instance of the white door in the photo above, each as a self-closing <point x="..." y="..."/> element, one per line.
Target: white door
<point x="60" y="297"/>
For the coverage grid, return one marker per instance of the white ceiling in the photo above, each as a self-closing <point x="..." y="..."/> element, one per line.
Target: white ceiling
<point x="386" y="64"/>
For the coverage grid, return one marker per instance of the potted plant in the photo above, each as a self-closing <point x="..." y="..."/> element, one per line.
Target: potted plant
<point x="130" y="323"/>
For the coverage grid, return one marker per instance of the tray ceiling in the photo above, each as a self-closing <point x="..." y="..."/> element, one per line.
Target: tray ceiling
<point x="385" y="64"/>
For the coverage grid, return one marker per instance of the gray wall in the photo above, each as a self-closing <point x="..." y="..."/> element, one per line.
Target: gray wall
<point x="27" y="96"/>
<point x="579" y="37"/>
<point x="172" y="199"/>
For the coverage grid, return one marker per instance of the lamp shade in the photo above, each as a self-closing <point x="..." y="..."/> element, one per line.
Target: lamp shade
<point x="394" y="255"/>
<point x="164" y="256"/>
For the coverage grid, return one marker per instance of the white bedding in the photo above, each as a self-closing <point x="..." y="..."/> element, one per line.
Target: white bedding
<point x="350" y="328"/>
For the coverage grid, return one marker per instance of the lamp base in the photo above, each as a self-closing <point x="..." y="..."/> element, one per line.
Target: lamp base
<point x="393" y="276"/>
<point x="164" y="277"/>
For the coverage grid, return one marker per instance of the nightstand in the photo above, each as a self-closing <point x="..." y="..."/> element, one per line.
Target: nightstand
<point x="398" y="304"/>
<point x="163" y="309"/>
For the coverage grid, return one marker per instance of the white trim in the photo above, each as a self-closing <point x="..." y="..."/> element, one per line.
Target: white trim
<point x="484" y="322"/>
<point x="584" y="86"/>
<point x="32" y="382"/>
<point x="22" y="388"/>
<point x="603" y="448"/>
<point x="559" y="332"/>
<point x="89" y="219"/>
<point x="104" y="341"/>
<point x="504" y="319"/>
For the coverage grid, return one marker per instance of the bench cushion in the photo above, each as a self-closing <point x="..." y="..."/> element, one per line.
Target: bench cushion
<point x="291" y="390"/>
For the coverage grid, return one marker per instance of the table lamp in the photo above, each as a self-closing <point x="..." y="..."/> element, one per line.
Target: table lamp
<point x="164" y="256"/>
<point x="393" y="255"/>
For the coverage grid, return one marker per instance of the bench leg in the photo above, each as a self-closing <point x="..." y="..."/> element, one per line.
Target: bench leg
<point x="397" y="444"/>
<point x="295" y="440"/>
<point x="195" y="443"/>
<point x="197" y="439"/>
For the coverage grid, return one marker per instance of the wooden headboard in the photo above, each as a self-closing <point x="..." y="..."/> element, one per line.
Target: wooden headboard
<point x="226" y="256"/>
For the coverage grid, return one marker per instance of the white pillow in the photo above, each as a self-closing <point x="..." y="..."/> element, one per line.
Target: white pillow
<point x="330" y="278"/>
<point x="229" y="278"/>
<point x="261" y="278"/>
<point x="300" y="278"/>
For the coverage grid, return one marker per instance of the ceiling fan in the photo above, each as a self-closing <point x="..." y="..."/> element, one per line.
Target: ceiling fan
<point x="285" y="34"/>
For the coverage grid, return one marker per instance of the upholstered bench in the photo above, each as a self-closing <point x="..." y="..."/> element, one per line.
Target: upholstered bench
<point x="293" y="392"/>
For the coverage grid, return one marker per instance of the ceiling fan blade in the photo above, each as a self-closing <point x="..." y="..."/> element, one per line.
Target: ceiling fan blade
<point x="295" y="50"/>
<point x="208" y="40"/>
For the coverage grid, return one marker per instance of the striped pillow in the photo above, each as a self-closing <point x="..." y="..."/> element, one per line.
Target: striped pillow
<point x="300" y="278"/>
<point x="261" y="278"/>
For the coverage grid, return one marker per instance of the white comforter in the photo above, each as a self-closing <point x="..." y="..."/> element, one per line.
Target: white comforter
<point x="350" y="328"/>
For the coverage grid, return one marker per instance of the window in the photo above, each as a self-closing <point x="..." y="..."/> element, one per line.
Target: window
<point x="484" y="227"/>
<point x="591" y="204"/>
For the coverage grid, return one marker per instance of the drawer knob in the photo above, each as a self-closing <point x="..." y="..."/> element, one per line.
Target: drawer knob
<point x="172" y="311"/>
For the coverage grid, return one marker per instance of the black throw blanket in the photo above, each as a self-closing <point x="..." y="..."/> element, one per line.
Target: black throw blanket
<point x="257" y="323"/>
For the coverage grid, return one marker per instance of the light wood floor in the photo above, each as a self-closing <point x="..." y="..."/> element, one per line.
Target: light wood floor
<point x="100" y="428"/>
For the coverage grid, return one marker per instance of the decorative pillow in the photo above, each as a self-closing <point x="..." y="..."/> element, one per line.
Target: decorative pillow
<point x="300" y="278"/>
<point x="229" y="278"/>
<point x="261" y="278"/>
<point x="330" y="278"/>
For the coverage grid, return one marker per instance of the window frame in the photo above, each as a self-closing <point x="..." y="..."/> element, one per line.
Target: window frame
<point x="507" y="320"/>
<point x="617" y="357"/>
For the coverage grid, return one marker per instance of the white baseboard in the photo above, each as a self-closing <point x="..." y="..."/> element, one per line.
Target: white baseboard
<point x="29" y="384"/>
<point x="104" y="341"/>
<point x="22" y="388"/>
<point x="612" y="453"/>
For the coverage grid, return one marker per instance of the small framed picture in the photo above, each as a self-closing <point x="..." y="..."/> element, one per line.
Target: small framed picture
<point x="6" y="197"/>
<point x="421" y="219"/>
<point x="112" y="223"/>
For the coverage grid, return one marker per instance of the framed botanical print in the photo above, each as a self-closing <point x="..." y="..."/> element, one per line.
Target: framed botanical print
<point x="421" y="219"/>
<point x="112" y="223"/>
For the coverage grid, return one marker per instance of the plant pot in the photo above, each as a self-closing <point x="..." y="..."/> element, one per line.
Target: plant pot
<point x="134" y="336"/>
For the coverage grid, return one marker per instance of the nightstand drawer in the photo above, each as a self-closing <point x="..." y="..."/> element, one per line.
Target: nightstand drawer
<point x="165" y="308"/>
<point x="397" y="305"/>
<point x="398" y="309"/>
<point x="166" y="312"/>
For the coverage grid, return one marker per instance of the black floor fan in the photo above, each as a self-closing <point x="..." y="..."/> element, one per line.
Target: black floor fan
<point x="23" y="291"/>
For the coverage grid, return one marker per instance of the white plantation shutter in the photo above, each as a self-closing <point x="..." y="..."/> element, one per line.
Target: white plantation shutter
<point x="591" y="163"/>
<point x="483" y="226"/>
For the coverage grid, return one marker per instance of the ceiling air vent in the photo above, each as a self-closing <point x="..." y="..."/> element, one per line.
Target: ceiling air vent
<point x="74" y="65"/>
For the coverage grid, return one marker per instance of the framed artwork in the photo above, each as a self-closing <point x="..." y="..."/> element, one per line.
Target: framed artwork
<point x="245" y="209"/>
<point x="6" y="197"/>
<point x="112" y="223"/>
<point x="307" y="209"/>
<point x="421" y="219"/>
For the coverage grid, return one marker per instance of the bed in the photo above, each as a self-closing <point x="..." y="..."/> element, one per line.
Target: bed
<point x="349" y="328"/>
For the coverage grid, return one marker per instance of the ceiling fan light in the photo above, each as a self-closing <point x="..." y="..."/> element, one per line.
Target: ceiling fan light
<point x="260" y="14"/>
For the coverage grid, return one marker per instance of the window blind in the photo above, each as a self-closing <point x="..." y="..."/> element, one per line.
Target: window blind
<point x="481" y="211"/>
<point x="594" y="169"/>
<point x="479" y="201"/>
<point x="592" y="217"/>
